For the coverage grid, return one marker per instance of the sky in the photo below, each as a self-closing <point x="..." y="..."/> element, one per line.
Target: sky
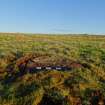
<point x="53" y="16"/>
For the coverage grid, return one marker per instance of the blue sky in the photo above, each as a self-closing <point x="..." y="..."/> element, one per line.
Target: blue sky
<point x="53" y="16"/>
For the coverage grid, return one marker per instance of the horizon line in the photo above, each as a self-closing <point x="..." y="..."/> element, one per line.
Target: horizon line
<point x="49" y="33"/>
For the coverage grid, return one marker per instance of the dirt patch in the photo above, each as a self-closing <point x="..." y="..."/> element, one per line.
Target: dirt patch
<point x="32" y="61"/>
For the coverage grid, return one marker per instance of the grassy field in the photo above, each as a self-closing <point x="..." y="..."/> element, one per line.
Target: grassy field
<point x="83" y="84"/>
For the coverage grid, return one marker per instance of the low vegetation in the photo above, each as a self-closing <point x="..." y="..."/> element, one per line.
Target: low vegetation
<point x="82" y="84"/>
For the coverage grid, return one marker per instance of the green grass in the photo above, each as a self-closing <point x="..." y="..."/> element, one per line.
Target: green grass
<point x="30" y="89"/>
